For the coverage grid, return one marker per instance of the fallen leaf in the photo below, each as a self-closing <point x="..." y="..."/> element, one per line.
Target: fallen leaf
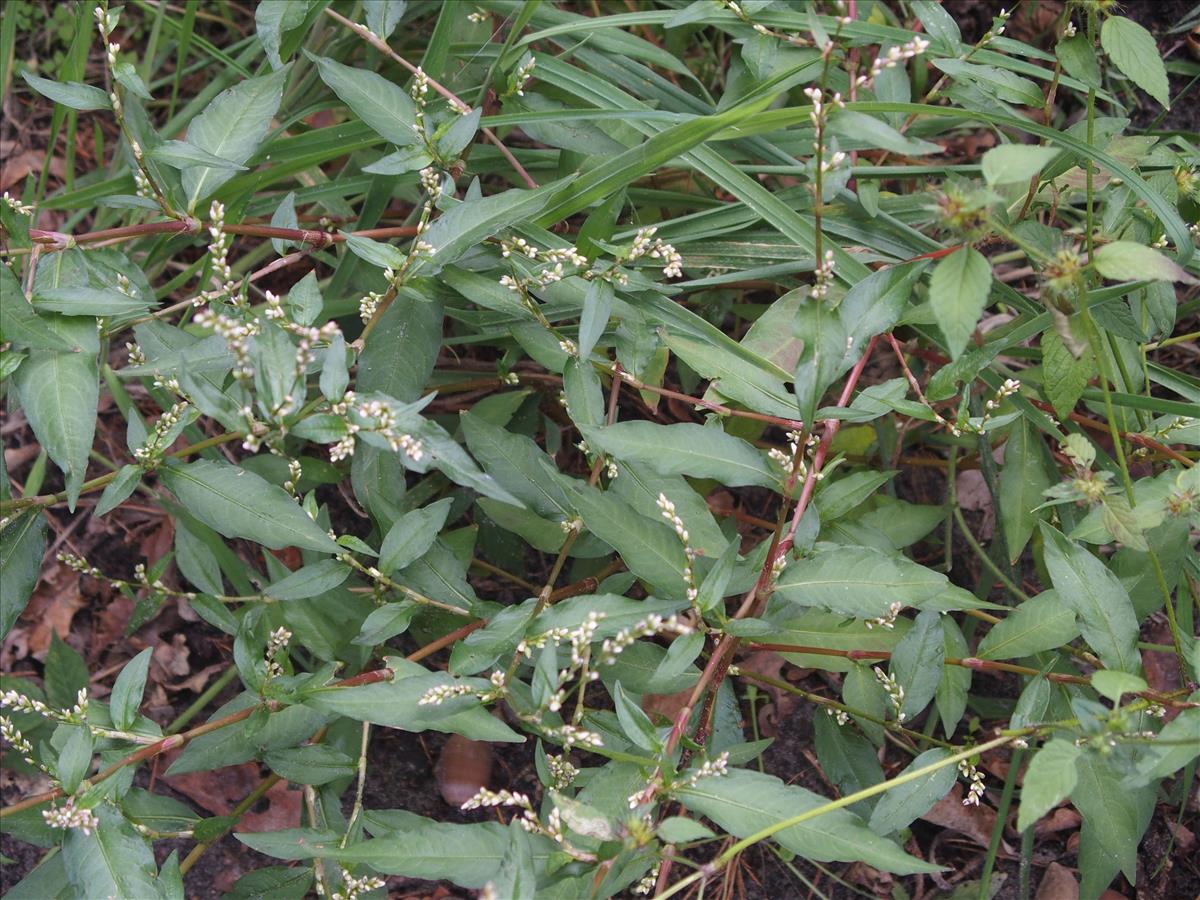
<point x="1058" y="884"/>
<point x="173" y="657"/>
<point x="51" y="609"/>
<point x="218" y="792"/>
<point x="1062" y="819"/>
<point x="976" y="822"/>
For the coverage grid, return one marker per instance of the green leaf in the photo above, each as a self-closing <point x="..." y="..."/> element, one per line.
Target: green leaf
<point x="1106" y="617"/>
<point x="127" y="690"/>
<point x="1040" y="623"/>
<point x="994" y="81"/>
<point x="237" y="503"/>
<point x="383" y="16"/>
<point x="1134" y="51"/>
<point x="939" y="24"/>
<point x="857" y="581"/>
<point x="312" y="580"/>
<point x="71" y="94"/>
<point x="273" y="883"/>
<point x="231" y="128"/>
<point x="112" y="861"/>
<point x="848" y="759"/>
<point x="905" y="803"/>
<point x="1130" y="261"/>
<point x="518" y="465"/>
<point x="1078" y="59"/>
<point x="22" y="543"/>
<point x="1022" y="481"/>
<point x="681" y="830"/>
<point x="396" y="704"/>
<point x="1113" y="684"/>
<point x="958" y="293"/>
<point x="744" y="802"/>
<point x="411" y="535"/>
<point x="686" y="449"/>
<point x="1016" y="163"/>
<point x="407" y="323"/>
<point x="385" y="623"/>
<point x="917" y="662"/>
<point x="86" y="301"/>
<point x="1114" y="819"/>
<point x="868" y="131"/>
<point x="597" y="307"/>
<point x="1065" y="376"/>
<point x="650" y="549"/>
<point x="1049" y="780"/>
<point x="119" y="489"/>
<point x="274" y="17"/>
<point x="59" y="392"/>
<point x="634" y="722"/>
<point x="182" y="155"/>
<point x="516" y="877"/>
<point x="311" y="764"/>
<point x="1173" y="749"/>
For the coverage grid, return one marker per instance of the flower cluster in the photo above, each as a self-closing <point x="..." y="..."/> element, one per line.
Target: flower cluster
<point x="648" y="881"/>
<point x="712" y="768"/>
<point x="16" y="205"/>
<point x="237" y="336"/>
<point x="276" y="648"/>
<point x="573" y="735"/>
<point x="20" y="743"/>
<point x="689" y="553"/>
<point x="371" y="415"/>
<point x="523" y="75"/>
<point x="418" y="92"/>
<point x="785" y="459"/>
<point x="838" y="715"/>
<point x="888" y="621"/>
<point x="439" y="694"/>
<point x="646" y="244"/>
<point x="975" y="777"/>
<point x="822" y="275"/>
<point x="648" y="627"/>
<point x="150" y="453"/>
<point x="218" y="249"/>
<point x="69" y="816"/>
<point x="22" y="703"/>
<point x="894" y="690"/>
<point x="894" y="56"/>
<point x="562" y="772"/>
<point x="352" y="887"/>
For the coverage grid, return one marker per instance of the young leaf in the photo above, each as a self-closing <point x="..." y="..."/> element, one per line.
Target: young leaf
<point x="237" y="503"/>
<point x="1133" y="49"/>
<point x="1065" y="377"/>
<point x="958" y="292"/>
<point x="597" y="307"/>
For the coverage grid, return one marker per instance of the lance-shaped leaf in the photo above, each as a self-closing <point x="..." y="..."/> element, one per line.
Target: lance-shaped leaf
<point x="22" y="543"/>
<point x="1040" y="623"/>
<point x="685" y="449"/>
<point x="383" y="105"/>
<point x="231" y="128"/>
<point x="237" y="503"/>
<point x="857" y="581"/>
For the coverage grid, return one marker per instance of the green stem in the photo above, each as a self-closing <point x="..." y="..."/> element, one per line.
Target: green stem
<point x="985" y="879"/>
<point x="203" y="700"/>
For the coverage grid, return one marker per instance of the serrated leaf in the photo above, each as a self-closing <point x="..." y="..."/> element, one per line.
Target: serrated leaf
<point x="1134" y="51"/>
<point x="744" y="802"/>
<point x="1065" y="377"/>
<point x="1049" y="780"/>
<point x="1016" y="163"/>
<point x="71" y="94"/>
<point x="1129" y="261"/>
<point x="1040" y="623"/>
<point x="1106" y="617"/>
<point x="237" y="503"/>
<point x="231" y="128"/>
<point x="958" y="293"/>
<point x="686" y="449"/>
<point x="1078" y="59"/>
<point x="22" y="544"/>
<point x="1022" y="481"/>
